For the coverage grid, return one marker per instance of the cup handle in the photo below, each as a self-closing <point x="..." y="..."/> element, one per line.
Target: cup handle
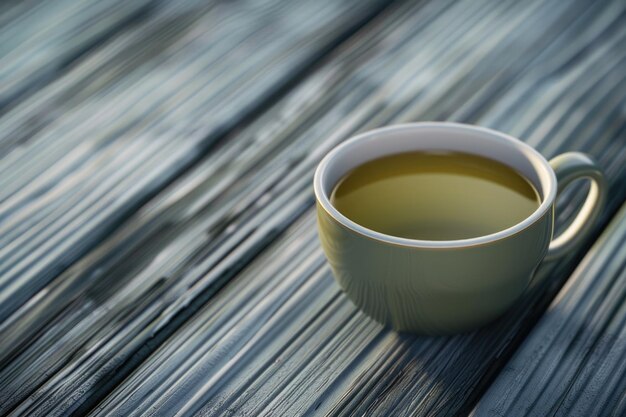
<point x="569" y="167"/>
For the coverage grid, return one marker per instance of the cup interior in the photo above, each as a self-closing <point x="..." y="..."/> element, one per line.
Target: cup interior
<point x="434" y="136"/>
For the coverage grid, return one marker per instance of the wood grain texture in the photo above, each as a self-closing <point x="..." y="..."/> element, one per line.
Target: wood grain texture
<point x="214" y="297"/>
<point x="295" y="345"/>
<point x="87" y="150"/>
<point x="39" y="40"/>
<point x="573" y="362"/>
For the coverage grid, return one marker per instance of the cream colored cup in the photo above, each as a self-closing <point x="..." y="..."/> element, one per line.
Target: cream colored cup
<point x="439" y="287"/>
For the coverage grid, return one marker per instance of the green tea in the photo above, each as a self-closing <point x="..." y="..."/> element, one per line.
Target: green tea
<point x="435" y="196"/>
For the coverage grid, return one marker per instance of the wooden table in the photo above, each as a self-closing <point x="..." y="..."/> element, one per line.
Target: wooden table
<point x="158" y="252"/>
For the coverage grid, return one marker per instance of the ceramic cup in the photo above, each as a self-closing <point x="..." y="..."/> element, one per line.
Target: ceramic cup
<point x="437" y="287"/>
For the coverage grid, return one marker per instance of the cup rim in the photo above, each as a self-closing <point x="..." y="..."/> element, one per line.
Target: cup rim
<point x="548" y="197"/>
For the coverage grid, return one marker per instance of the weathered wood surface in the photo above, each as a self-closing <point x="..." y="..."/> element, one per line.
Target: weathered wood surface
<point x="87" y="150"/>
<point x="214" y="296"/>
<point x="573" y="363"/>
<point x="38" y="41"/>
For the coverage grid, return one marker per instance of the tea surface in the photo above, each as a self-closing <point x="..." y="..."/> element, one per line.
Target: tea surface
<point x="435" y="196"/>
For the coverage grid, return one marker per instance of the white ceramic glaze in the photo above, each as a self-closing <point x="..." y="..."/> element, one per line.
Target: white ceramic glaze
<point x="447" y="286"/>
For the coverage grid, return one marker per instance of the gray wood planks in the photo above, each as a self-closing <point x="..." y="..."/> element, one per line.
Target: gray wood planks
<point x="573" y="362"/>
<point x="81" y="154"/>
<point x="38" y="40"/>
<point x="277" y="342"/>
<point x="150" y="302"/>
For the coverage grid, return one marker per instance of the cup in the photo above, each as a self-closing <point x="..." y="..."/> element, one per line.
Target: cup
<point x="440" y="287"/>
